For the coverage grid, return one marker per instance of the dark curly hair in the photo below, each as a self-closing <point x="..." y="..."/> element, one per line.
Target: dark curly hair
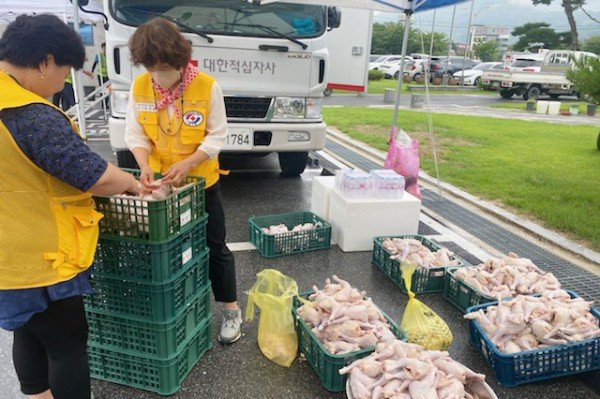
<point x="31" y="38"/>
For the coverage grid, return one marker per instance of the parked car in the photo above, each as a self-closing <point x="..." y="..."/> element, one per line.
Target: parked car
<point x="374" y="57"/>
<point x="391" y="67"/>
<point x="375" y="65"/>
<point x="449" y="66"/>
<point x="525" y="65"/>
<point x="416" y="69"/>
<point x="473" y="76"/>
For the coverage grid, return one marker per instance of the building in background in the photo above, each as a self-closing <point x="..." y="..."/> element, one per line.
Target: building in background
<point x="486" y="33"/>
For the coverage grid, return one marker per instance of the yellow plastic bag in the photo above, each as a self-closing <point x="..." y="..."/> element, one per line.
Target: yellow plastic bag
<point x="421" y="324"/>
<point x="273" y="293"/>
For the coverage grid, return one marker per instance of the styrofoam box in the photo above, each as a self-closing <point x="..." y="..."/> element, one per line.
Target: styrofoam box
<point x="321" y="191"/>
<point x="355" y="222"/>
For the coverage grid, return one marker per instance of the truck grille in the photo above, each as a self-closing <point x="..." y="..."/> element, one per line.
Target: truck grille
<point x="247" y="107"/>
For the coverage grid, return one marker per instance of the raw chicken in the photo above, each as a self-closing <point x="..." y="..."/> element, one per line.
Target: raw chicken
<point x="507" y="277"/>
<point x="282" y="228"/>
<point x="343" y="319"/>
<point x="401" y="370"/>
<point x="411" y="250"/>
<point x="526" y="322"/>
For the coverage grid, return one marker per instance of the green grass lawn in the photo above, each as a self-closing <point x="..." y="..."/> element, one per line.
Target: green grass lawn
<point x="547" y="172"/>
<point x="379" y="86"/>
<point x="564" y="106"/>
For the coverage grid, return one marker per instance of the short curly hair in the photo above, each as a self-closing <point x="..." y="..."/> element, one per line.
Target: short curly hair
<point x="29" y="39"/>
<point x="158" y="41"/>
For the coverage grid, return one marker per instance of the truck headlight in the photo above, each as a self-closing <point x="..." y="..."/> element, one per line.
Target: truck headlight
<point x="313" y="108"/>
<point x="118" y="101"/>
<point x="290" y="108"/>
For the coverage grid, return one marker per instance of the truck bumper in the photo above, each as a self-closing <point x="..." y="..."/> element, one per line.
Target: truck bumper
<point x="268" y="137"/>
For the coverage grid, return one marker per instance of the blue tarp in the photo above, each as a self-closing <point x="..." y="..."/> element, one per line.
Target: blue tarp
<point x="398" y="6"/>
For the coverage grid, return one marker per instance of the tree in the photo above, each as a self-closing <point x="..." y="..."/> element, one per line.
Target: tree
<point x="387" y="39"/>
<point x="537" y="35"/>
<point x="592" y="45"/>
<point x="570" y="6"/>
<point x="487" y="51"/>
<point x="585" y="76"/>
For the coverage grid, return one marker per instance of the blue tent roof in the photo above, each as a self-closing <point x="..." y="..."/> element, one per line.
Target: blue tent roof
<point x="398" y="6"/>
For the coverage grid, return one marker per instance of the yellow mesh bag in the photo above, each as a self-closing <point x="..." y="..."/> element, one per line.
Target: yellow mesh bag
<point x="421" y="324"/>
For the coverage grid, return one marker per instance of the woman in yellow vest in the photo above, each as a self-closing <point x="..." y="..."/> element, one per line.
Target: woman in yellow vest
<point x="48" y="225"/>
<point x="176" y="125"/>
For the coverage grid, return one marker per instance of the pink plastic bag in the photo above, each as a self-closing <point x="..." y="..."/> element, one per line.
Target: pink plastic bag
<point x="404" y="161"/>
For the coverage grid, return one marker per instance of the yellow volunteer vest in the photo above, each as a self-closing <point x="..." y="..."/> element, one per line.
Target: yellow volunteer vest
<point x="176" y="139"/>
<point x="48" y="229"/>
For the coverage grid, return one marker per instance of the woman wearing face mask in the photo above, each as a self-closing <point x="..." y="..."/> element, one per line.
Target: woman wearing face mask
<point x="176" y="125"/>
<point x="48" y="225"/>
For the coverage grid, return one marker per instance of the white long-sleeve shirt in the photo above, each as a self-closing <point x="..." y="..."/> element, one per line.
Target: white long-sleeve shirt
<point x="216" y="125"/>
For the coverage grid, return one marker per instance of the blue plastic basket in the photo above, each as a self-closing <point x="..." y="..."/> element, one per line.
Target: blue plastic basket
<point x="539" y="364"/>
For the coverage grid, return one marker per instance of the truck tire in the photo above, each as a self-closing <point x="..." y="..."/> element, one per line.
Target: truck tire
<point x="327" y="92"/>
<point x="292" y="163"/>
<point x="506" y="94"/>
<point x="125" y="159"/>
<point x="532" y="93"/>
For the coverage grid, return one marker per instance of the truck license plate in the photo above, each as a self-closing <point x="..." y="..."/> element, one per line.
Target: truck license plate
<point x="238" y="139"/>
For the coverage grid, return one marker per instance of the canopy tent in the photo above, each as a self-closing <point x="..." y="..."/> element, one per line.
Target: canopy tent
<point x="407" y="7"/>
<point x="69" y="12"/>
<point x="376" y="5"/>
<point x="10" y="9"/>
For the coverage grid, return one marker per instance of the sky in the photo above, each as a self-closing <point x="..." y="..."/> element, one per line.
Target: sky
<point x="509" y="13"/>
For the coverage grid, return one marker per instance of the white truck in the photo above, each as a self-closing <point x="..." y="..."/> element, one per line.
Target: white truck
<point x="270" y="60"/>
<point x="550" y="80"/>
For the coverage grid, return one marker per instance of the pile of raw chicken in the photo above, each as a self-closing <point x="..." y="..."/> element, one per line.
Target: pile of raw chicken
<point x="400" y="370"/>
<point x="282" y="228"/>
<point x="507" y="277"/>
<point x="343" y="319"/>
<point x="411" y="250"/>
<point x="525" y="322"/>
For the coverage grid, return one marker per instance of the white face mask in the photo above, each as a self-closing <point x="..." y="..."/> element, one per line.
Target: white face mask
<point x="166" y="79"/>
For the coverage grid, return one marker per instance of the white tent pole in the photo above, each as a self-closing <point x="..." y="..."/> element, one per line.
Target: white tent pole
<point x="402" y="62"/>
<point x="432" y="36"/>
<point x="77" y="82"/>
<point x="467" y="44"/>
<point x="445" y="77"/>
<point x="428" y="102"/>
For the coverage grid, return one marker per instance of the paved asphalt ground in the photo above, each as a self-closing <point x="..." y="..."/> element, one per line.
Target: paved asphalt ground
<point x="239" y="371"/>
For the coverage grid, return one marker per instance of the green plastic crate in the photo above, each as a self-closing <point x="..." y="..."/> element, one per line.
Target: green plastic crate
<point x="150" y="263"/>
<point x="429" y="280"/>
<point x="461" y="295"/>
<point x="272" y="246"/>
<point x="161" y="340"/>
<point x="326" y="365"/>
<point x="163" y="376"/>
<point x="152" y="221"/>
<point x="148" y="302"/>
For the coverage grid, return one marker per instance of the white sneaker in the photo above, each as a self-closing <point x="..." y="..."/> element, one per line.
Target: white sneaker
<point x="231" y="328"/>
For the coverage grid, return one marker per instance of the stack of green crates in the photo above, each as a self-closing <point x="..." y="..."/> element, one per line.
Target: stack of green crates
<point x="149" y="316"/>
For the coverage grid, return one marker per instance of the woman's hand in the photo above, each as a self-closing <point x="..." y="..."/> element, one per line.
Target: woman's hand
<point x="147" y="177"/>
<point x="178" y="172"/>
<point x="135" y="187"/>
